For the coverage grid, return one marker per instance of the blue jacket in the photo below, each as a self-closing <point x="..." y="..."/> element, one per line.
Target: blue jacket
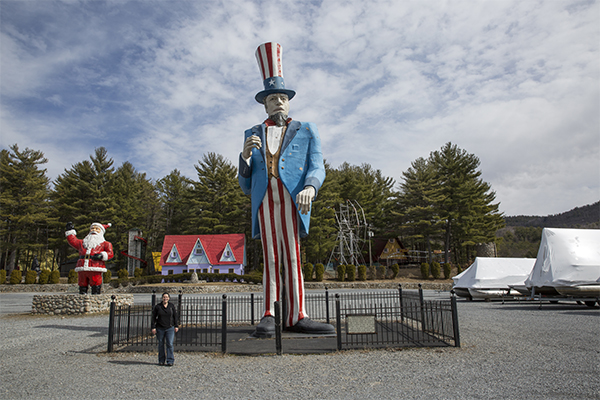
<point x="300" y="165"/>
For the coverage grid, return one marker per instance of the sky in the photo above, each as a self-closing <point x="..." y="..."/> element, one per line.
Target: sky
<point x="161" y="83"/>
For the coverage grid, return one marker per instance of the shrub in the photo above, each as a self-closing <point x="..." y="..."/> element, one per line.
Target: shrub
<point x="44" y="277"/>
<point x="395" y="270"/>
<point x="436" y="270"/>
<point x="138" y="272"/>
<point x="54" y="277"/>
<point x="362" y="272"/>
<point x="381" y="272"/>
<point x="308" y="271"/>
<point x="122" y="273"/>
<point x="424" y="270"/>
<point x="15" y="277"/>
<point x="351" y="272"/>
<point x="72" y="277"/>
<point x="253" y="277"/>
<point x="107" y="276"/>
<point x="319" y="271"/>
<point x="2" y="277"/>
<point x="30" y="277"/>
<point x="372" y="272"/>
<point x="458" y="269"/>
<point x="341" y="272"/>
<point x="447" y="270"/>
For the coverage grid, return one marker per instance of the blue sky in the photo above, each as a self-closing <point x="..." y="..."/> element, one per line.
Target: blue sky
<point x="160" y="83"/>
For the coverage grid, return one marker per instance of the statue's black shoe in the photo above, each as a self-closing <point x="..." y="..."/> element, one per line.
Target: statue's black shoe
<point x="307" y="325"/>
<point x="265" y="328"/>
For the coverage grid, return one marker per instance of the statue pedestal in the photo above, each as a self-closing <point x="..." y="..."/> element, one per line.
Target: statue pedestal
<point x="71" y="304"/>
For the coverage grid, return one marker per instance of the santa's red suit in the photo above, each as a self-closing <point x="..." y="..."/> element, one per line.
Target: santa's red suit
<point x="88" y="268"/>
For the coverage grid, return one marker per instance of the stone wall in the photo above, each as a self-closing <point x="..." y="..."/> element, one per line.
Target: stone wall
<point x="56" y="304"/>
<point x="174" y="289"/>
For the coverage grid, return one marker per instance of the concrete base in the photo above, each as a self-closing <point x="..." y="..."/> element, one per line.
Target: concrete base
<point x="56" y="304"/>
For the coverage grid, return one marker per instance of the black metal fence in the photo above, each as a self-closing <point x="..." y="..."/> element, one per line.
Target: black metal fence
<point x="391" y="318"/>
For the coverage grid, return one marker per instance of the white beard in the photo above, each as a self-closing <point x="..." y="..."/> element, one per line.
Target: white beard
<point x="92" y="240"/>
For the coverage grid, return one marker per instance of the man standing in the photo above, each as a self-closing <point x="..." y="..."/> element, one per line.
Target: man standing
<point x="94" y="251"/>
<point x="281" y="167"/>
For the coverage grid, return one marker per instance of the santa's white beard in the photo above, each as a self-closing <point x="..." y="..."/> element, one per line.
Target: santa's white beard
<point x="92" y="240"/>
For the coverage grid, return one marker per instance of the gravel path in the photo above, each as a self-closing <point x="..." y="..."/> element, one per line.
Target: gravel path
<point x="508" y="351"/>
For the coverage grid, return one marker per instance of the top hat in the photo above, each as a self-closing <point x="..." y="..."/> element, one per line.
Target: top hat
<point x="268" y="56"/>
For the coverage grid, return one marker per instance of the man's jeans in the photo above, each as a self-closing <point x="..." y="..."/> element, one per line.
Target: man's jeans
<point x="165" y="337"/>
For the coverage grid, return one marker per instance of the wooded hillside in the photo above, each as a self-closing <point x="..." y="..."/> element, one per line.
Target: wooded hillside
<point x="579" y="217"/>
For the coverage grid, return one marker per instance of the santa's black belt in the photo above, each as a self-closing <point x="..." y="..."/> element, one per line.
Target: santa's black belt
<point x="86" y="257"/>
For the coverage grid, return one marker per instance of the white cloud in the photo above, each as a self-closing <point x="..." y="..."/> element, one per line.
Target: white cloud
<point x="162" y="83"/>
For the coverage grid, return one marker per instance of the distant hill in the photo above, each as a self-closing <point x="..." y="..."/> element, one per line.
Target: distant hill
<point x="587" y="217"/>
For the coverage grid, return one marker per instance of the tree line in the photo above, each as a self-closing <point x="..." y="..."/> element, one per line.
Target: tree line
<point x="442" y="203"/>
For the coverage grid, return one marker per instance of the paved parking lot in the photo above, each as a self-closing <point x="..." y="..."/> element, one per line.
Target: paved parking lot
<point x="508" y="351"/>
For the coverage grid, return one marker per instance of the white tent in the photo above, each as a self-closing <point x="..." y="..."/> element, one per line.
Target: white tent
<point x="492" y="277"/>
<point x="568" y="263"/>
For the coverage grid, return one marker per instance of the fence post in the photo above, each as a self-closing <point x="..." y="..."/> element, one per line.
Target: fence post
<point x="153" y="298"/>
<point x="278" y="327"/>
<point x="422" y="304"/>
<point x="111" y="324"/>
<point x="224" y="325"/>
<point x="251" y="308"/>
<point x="338" y="321"/>
<point x="179" y="301"/>
<point x="128" y="321"/>
<point x="401" y="302"/>
<point x="455" y="319"/>
<point x="327" y="303"/>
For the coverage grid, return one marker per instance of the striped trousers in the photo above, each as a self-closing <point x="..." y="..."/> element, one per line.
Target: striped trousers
<point x="280" y="239"/>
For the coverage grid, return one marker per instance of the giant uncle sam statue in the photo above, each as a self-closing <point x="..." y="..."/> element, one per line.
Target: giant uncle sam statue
<point x="281" y="168"/>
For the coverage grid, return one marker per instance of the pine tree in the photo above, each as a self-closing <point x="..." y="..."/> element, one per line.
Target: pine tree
<point x="319" y="243"/>
<point x="175" y="193"/>
<point x="417" y="200"/>
<point x="465" y="201"/>
<point x="218" y="206"/>
<point x="85" y="194"/>
<point x="25" y="214"/>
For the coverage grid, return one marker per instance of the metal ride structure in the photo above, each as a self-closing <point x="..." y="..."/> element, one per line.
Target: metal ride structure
<point x="352" y="234"/>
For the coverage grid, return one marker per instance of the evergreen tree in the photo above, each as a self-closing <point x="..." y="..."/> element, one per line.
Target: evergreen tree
<point x="137" y="204"/>
<point x="319" y="243"/>
<point x="418" y="216"/>
<point x="464" y="202"/>
<point x="85" y="194"/>
<point x="24" y="214"/>
<point x="370" y="189"/>
<point x="218" y="204"/>
<point x="175" y="194"/>
<point x="373" y="192"/>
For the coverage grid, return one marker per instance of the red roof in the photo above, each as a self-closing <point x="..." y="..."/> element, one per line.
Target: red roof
<point x="213" y="245"/>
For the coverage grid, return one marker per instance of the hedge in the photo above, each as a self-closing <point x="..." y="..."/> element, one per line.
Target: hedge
<point x="15" y="277"/>
<point x="319" y="272"/>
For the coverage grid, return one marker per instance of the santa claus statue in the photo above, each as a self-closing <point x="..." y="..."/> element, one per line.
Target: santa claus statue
<point x="94" y="251"/>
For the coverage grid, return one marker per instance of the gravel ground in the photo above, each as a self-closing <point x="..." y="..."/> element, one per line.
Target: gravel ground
<point x="508" y="351"/>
